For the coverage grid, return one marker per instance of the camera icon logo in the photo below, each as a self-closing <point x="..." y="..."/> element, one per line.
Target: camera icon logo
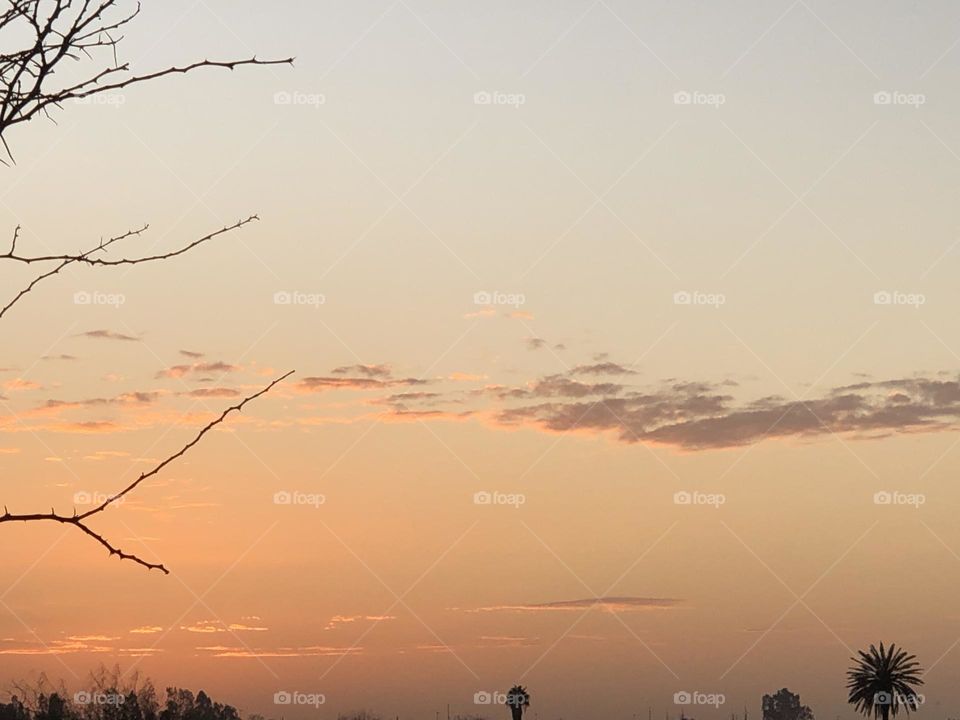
<point x="882" y="297"/>
<point x="282" y="98"/>
<point x="682" y="97"/>
<point x="283" y="497"/>
<point x="82" y="297"/>
<point x="81" y="697"/>
<point x="82" y="498"/>
<point x="482" y="698"/>
<point x="682" y="497"/>
<point x="282" y="297"/>
<point x="882" y="498"/>
<point x="482" y="98"/>
<point x="482" y="498"/>
<point x="682" y="297"/>
<point x="482" y="298"/>
<point x="282" y="698"/>
<point x="682" y="698"/>
<point x="882" y="97"/>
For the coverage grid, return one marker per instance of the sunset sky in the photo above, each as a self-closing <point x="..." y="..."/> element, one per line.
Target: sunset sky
<point x="625" y="342"/>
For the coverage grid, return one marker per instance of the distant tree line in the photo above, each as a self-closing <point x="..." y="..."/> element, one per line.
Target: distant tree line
<point x="111" y="696"/>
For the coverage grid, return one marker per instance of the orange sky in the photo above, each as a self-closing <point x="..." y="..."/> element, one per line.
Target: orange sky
<point x="625" y="352"/>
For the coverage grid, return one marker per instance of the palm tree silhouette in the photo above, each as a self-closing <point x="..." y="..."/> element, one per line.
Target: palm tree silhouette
<point x="882" y="681"/>
<point x="518" y="700"/>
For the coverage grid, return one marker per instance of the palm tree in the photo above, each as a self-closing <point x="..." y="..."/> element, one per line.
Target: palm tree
<point x="518" y="700"/>
<point x="882" y="681"/>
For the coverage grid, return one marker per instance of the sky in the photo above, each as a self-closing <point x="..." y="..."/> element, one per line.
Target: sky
<point x="625" y="349"/>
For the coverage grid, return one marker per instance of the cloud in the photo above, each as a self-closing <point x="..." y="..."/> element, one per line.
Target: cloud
<point x="124" y="399"/>
<point x="356" y="377"/>
<point x="485" y="312"/>
<point x="19" y="385"/>
<point x="554" y="386"/>
<point x="698" y="416"/>
<point x="146" y="630"/>
<point x="506" y="641"/>
<point x="139" y="652"/>
<point x="223" y="651"/>
<point x="609" y="604"/>
<point x="602" y="368"/>
<point x="216" y="626"/>
<point x="217" y="392"/>
<point x="373" y="371"/>
<point x="338" y="620"/>
<point x="104" y="454"/>
<point x="59" y="357"/>
<point x="179" y="371"/>
<point x="535" y="343"/>
<point x="191" y="354"/>
<point x="53" y="647"/>
<point x="108" y="335"/>
<point x="465" y="377"/>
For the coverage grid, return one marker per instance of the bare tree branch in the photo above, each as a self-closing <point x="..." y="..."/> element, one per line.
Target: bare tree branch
<point x="88" y="257"/>
<point x="36" y="37"/>
<point x="79" y="520"/>
<point x="49" y="32"/>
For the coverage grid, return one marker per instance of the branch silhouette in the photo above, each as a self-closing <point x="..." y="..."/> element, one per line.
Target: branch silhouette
<point x="79" y="520"/>
<point x="48" y="33"/>
<point x="88" y="257"/>
<point x="62" y="30"/>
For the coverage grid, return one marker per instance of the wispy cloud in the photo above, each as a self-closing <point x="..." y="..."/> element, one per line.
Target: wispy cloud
<point x="609" y="604"/>
<point x="179" y="371"/>
<point x="356" y="377"/>
<point x="108" y="335"/>
<point x="225" y="651"/>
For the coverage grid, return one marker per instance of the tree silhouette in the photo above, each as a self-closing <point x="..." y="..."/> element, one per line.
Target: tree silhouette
<point x="101" y="700"/>
<point x="49" y="33"/>
<point x="518" y="700"/>
<point x="42" y="35"/>
<point x="785" y="705"/>
<point x="881" y="682"/>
